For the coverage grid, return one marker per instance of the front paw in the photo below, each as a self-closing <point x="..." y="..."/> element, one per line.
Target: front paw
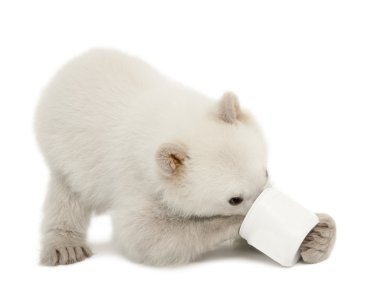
<point x="319" y="243"/>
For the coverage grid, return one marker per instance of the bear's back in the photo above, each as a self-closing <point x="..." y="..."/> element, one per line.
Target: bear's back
<point x="104" y="114"/>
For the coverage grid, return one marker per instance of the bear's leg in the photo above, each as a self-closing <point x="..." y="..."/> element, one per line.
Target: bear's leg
<point x="171" y="240"/>
<point x="319" y="243"/>
<point x="64" y="225"/>
<point x="212" y="232"/>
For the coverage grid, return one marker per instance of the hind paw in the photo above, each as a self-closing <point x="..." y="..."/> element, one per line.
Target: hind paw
<point x="65" y="255"/>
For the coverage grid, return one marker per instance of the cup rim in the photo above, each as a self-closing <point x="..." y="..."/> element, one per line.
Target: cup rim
<point x="252" y="209"/>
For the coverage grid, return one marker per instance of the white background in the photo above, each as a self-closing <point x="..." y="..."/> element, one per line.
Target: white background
<point x="309" y="71"/>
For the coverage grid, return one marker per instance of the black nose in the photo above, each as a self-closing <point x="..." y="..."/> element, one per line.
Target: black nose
<point x="235" y="200"/>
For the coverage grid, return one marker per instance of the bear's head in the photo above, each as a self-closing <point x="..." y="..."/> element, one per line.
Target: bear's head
<point x="218" y="167"/>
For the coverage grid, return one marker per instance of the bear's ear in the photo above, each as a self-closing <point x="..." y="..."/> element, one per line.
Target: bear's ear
<point x="171" y="157"/>
<point x="229" y="109"/>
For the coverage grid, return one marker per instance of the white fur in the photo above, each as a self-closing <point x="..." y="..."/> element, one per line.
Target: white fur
<point x="100" y="123"/>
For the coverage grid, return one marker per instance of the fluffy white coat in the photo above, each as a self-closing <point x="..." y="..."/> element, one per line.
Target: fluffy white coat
<point x="177" y="170"/>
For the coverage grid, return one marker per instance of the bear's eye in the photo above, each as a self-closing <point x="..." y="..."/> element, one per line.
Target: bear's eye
<point x="235" y="200"/>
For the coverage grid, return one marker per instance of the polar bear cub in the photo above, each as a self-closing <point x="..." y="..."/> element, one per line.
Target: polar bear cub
<point x="176" y="170"/>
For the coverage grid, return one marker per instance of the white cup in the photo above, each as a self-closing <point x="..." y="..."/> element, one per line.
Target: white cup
<point x="277" y="225"/>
